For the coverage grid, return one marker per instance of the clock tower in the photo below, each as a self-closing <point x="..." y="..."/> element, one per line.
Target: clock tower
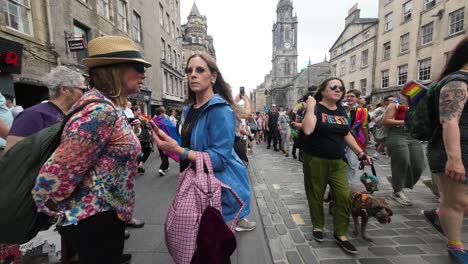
<point x="284" y="45"/>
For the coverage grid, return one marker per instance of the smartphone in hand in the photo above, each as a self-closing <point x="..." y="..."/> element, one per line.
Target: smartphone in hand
<point x="242" y="91"/>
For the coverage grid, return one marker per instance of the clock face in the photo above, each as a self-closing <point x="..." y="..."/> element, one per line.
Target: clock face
<point x="287" y="45"/>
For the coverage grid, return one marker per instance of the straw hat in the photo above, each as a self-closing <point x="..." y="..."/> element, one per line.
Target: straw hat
<point x="108" y="50"/>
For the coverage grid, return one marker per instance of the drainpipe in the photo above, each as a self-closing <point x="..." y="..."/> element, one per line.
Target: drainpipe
<point x="51" y="33"/>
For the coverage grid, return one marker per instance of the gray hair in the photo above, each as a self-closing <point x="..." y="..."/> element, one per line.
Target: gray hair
<point x="62" y="76"/>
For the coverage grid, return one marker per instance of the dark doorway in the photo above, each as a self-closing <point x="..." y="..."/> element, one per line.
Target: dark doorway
<point x="28" y="95"/>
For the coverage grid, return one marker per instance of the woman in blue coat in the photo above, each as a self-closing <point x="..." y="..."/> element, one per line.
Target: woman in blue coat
<point x="209" y="126"/>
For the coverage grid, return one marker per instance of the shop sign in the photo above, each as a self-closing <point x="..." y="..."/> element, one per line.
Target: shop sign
<point x="77" y="43"/>
<point x="11" y="54"/>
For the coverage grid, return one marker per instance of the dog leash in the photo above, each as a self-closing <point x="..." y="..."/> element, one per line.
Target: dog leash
<point x="362" y="166"/>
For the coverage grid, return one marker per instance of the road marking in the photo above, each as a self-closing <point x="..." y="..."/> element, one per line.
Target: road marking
<point x="276" y="186"/>
<point x="298" y="219"/>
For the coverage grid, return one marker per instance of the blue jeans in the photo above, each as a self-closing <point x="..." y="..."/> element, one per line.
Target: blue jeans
<point x="352" y="164"/>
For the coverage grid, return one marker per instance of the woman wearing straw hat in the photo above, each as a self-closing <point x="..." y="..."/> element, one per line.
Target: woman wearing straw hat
<point x="89" y="178"/>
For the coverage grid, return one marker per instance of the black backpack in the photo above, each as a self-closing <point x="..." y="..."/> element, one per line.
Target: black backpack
<point x="422" y="119"/>
<point x="19" y="219"/>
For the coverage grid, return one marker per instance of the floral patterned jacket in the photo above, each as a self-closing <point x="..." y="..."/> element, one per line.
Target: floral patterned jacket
<point x="94" y="167"/>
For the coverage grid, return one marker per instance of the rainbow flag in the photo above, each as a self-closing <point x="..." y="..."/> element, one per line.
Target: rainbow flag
<point x="414" y="91"/>
<point x="145" y="117"/>
<point x="165" y="125"/>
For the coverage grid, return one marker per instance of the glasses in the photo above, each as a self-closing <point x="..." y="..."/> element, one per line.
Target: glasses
<point x="82" y="89"/>
<point x="139" y="67"/>
<point x="334" y="87"/>
<point x="198" y="70"/>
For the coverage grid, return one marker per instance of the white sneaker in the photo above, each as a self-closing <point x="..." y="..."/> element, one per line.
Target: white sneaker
<point x="401" y="198"/>
<point x="161" y="172"/>
<point x="244" y="225"/>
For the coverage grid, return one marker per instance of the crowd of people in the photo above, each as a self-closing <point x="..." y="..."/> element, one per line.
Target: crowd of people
<point x="91" y="189"/>
<point x="332" y="129"/>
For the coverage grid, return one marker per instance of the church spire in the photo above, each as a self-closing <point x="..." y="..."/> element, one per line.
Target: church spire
<point x="194" y="11"/>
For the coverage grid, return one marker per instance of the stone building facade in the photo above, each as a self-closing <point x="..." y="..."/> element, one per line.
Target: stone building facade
<point x="353" y="53"/>
<point x="284" y="59"/>
<point x="171" y="58"/>
<point x="414" y="40"/>
<point x="43" y="27"/>
<point x="284" y="86"/>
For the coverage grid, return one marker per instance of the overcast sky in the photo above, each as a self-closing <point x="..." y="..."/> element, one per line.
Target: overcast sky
<point x="242" y="32"/>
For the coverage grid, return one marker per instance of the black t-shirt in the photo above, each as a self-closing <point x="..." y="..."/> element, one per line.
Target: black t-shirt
<point x="186" y="132"/>
<point x="273" y="120"/>
<point x="327" y="140"/>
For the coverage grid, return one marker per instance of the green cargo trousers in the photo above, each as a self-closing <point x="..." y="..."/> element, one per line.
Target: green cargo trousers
<point x="407" y="158"/>
<point x="318" y="173"/>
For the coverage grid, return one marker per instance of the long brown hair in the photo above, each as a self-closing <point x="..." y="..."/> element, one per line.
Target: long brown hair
<point x="220" y="86"/>
<point x="108" y="80"/>
<point x="458" y="58"/>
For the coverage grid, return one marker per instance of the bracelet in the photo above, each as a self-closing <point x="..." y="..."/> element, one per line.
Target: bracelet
<point x="185" y="154"/>
<point x="359" y="153"/>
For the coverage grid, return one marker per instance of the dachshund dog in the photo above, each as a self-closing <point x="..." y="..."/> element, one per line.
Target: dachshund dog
<point x="365" y="206"/>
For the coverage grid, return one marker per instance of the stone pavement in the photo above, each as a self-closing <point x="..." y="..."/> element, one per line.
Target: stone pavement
<point x="278" y="186"/>
<point x="153" y="197"/>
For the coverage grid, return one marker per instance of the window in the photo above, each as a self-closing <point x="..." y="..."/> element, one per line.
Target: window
<point x="161" y="15"/>
<point x="402" y="74"/>
<point x="335" y="53"/>
<point x="137" y="27"/>
<point x="168" y="23"/>
<point x="457" y="19"/>
<point x="172" y="85"/>
<point x="103" y="8"/>
<point x="404" y="43"/>
<point x="173" y="30"/>
<point x="352" y="64"/>
<point x="385" y="75"/>
<point x="122" y="15"/>
<point x="363" y="86"/>
<point x="174" y="58"/>
<point x="388" y="22"/>
<point x="343" y="48"/>
<point x="426" y="33"/>
<point x="18" y="16"/>
<point x="365" y="58"/>
<point x="366" y="34"/>
<point x="343" y="68"/>
<point x="407" y="11"/>
<point x="165" y="82"/>
<point x="351" y="85"/>
<point x="353" y="42"/>
<point x="424" y="69"/>
<point x="429" y="3"/>
<point x="163" y="49"/>
<point x="386" y="50"/>
<point x="334" y="73"/>
<point x="179" y="66"/>
<point x="80" y="31"/>
<point x="178" y="37"/>
<point x="169" y="51"/>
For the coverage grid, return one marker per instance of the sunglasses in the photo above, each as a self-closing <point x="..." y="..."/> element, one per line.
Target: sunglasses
<point x="83" y="90"/>
<point x="198" y="70"/>
<point x="334" y="87"/>
<point x="139" y="67"/>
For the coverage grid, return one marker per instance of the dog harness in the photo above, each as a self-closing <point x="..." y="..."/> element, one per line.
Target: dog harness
<point x="363" y="196"/>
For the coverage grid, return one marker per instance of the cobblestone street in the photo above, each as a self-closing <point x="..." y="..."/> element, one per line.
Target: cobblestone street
<point x="278" y="186"/>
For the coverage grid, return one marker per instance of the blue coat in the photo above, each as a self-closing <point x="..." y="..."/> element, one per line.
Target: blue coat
<point x="214" y="133"/>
